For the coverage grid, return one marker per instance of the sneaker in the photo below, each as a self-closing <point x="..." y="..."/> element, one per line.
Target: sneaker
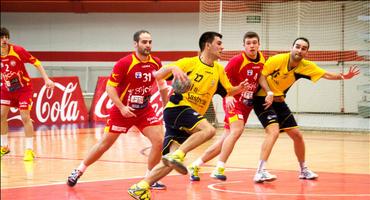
<point x="158" y="186"/>
<point x="4" y="150"/>
<point x="176" y="162"/>
<point x="73" y="178"/>
<point x="29" y="155"/>
<point x="262" y="176"/>
<point x="219" y="173"/>
<point x="139" y="193"/>
<point x="194" y="170"/>
<point x="308" y="174"/>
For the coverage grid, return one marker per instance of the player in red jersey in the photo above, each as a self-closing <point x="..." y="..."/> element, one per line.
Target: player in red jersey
<point x="246" y="65"/>
<point x="16" y="90"/>
<point x="129" y="87"/>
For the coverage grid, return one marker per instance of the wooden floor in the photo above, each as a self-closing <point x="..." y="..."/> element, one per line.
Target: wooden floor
<point x="340" y="158"/>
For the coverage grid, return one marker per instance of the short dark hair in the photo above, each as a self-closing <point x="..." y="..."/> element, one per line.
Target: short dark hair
<point x="207" y="37"/>
<point x="138" y="33"/>
<point x="251" y="34"/>
<point x="4" y="32"/>
<point x="304" y="39"/>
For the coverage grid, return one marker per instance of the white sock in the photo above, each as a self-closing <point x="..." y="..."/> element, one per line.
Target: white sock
<point x="302" y="165"/>
<point x="29" y="143"/>
<point x="198" y="162"/>
<point x="4" y="140"/>
<point x="261" y="165"/>
<point x="220" y="164"/>
<point x="82" y="167"/>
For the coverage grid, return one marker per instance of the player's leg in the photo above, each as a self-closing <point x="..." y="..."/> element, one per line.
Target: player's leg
<point x="211" y="152"/>
<point x="141" y="190"/>
<point x="94" y="154"/>
<point x="300" y="149"/>
<point x="269" y="120"/>
<point x="155" y="136"/>
<point x="202" y="132"/>
<point x="25" y="105"/>
<point x="4" y="130"/>
<point x="29" y="132"/>
<point x="236" y="130"/>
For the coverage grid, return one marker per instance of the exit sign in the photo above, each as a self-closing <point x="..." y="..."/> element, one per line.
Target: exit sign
<point x="254" y="19"/>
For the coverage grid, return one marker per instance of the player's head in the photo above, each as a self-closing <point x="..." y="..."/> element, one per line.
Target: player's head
<point x="299" y="49"/>
<point x="212" y="43"/>
<point x="4" y="34"/>
<point x="251" y="43"/>
<point x="143" y="42"/>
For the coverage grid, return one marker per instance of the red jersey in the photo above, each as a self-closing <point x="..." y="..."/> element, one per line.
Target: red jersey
<point x="133" y="80"/>
<point x="240" y="67"/>
<point x="14" y="75"/>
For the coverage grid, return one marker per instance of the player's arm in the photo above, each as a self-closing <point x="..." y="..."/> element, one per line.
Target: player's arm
<point x="49" y="83"/>
<point x="167" y="70"/>
<point x="353" y="71"/>
<point x="270" y="95"/>
<point x="27" y="57"/>
<point x="163" y="91"/>
<point x="113" y="95"/>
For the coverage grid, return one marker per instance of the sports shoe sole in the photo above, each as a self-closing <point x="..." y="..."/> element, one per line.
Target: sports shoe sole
<point x="267" y="180"/>
<point x="176" y="165"/>
<point x="218" y="178"/>
<point x="313" y="178"/>
<point x="133" y="195"/>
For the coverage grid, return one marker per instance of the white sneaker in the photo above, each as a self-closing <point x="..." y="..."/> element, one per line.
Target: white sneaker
<point x="308" y="174"/>
<point x="262" y="176"/>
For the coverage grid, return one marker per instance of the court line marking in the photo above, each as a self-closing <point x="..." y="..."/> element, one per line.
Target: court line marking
<point x="79" y="182"/>
<point x="212" y="187"/>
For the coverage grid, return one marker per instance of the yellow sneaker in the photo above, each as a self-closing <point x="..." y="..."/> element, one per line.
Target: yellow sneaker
<point x="194" y="172"/>
<point x="219" y="173"/>
<point x="175" y="160"/>
<point x="29" y="155"/>
<point x="4" y="150"/>
<point x="139" y="193"/>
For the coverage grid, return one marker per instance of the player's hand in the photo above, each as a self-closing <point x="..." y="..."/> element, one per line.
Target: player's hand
<point x="49" y="84"/>
<point x="268" y="101"/>
<point x="230" y="102"/>
<point x="179" y="74"/>
<point x="353" y="71"/>
<point x="126" y="111"/>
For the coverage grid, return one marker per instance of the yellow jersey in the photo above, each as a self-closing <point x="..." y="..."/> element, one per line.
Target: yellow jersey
<point x="205" y="82"/>
<point x="280" y="79"/>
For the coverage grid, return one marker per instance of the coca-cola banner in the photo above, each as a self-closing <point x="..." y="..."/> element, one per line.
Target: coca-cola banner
<point x="101" y="103"/>
<point x="63" y="104"/>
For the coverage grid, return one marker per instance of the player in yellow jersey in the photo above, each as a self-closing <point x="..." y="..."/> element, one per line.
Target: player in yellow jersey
<point x="281" y="71"/>
<point x="247" y="65"/>
<point x="186" y="127"/>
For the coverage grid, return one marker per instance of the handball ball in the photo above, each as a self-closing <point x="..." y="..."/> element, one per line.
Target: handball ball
<point x="181" y="86"/>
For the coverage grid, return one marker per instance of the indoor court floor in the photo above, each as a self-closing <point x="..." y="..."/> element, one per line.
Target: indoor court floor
<point x="340" y="158"/>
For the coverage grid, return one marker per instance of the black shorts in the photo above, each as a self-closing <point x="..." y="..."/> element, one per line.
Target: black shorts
<point x="178" y="121"/>
<point x="278" y="112"/>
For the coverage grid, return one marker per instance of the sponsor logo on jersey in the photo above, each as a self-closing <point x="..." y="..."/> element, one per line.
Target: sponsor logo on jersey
<point x="138" y="75"/>
<point x="13" y="63"/>
<point x="249" y="72"/>
<point x="119" y="128"/>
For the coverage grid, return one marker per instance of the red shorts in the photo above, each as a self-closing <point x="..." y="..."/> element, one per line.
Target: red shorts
<point x="240" y="112"/>
<point x="119" y="124"/>
<point x="21" y="98"/>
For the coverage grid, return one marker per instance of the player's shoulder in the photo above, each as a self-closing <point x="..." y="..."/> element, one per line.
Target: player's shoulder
<point x="237" y="58"/>
<point x="17" y="48"/>
<point x="125" y="60"/>
<point x="156" y="59"/>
